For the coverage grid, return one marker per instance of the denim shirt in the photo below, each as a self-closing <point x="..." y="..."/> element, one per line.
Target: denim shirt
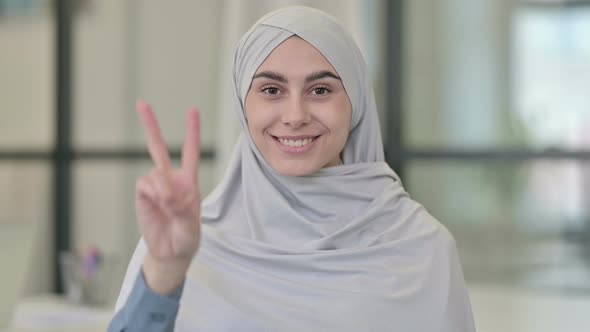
<point x="147" y="311"/>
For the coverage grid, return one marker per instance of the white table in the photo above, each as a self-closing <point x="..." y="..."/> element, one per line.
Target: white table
<point x="52" y="313"/>
<point x="495" y="309"/>
<point x="506" y="309"/>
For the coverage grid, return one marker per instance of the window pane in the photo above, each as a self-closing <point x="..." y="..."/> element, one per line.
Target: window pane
<point x="552" y="75"/>
<point x="525" y="224"/>
<point x="496" y="74"/>
<point x="104" y="211"/>
<point x="124" y="50"/>
<point x="26" y="77"/>
<point x="25" y="198"/>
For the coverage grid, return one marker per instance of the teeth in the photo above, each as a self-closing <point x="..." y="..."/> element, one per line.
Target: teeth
<point x="295" y="143"/>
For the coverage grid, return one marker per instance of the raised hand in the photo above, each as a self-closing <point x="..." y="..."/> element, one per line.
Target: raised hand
<point x="168" y="204"/>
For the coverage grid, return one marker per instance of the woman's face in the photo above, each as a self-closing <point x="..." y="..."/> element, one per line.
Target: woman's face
<point x="297" y="110"/>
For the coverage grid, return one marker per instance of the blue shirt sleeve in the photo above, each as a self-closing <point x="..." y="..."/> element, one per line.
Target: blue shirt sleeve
<point x="147" y="311"/>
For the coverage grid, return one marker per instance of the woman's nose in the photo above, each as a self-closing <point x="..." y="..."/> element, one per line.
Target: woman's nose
<point x="295" y="114"/>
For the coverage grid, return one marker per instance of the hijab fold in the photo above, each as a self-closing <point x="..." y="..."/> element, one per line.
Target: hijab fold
<point x="343" y="249"/>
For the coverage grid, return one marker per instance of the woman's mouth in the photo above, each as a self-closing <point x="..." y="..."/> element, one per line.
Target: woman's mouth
<point x="295" y="144"/>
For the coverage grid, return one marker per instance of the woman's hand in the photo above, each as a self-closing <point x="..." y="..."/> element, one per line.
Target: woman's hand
<point x="168" y="204"/>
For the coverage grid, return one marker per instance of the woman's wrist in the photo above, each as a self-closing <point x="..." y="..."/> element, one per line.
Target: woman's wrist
<point x="164" y="276"/>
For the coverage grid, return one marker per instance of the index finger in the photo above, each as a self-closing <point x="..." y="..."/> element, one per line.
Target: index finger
<point x="156" y="145"/>
<point x="191" y="148"/>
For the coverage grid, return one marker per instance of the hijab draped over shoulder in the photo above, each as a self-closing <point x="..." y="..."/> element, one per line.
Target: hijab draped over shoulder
<point x="342" y="249"/>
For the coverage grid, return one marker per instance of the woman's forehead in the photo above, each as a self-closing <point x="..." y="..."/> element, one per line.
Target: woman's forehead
<point x="296" y="58"/>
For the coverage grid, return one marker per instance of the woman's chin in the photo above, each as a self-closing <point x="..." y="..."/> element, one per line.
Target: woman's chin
<point x="290" y="168"/>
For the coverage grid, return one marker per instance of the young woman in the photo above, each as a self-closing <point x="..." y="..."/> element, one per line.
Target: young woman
<point x="309" y="230"/>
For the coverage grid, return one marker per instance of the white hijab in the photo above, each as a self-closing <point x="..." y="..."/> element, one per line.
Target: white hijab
<point x="343" y="249"/>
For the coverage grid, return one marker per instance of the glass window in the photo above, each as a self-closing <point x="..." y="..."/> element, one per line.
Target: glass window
<point x="27" y="89"/>
<point x="496" y="74"/>
<point x="128" y="50"/>
<point x="520" y="223"/>
<point x="551" y="52"/>
<point x="27" y="78"/>
<point x="25" y="203"/>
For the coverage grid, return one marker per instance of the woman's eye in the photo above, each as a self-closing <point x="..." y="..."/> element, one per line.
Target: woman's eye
<point x="320" y="91"/>
<point x="271" y="90"/>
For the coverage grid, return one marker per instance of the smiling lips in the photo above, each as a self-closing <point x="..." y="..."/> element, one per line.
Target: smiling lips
<point x="295" y="144"/>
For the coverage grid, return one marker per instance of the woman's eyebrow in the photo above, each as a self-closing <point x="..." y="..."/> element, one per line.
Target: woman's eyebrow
<point x="271" y="75"/>
<point x="319" y="75"/>
<point x="309" y="78"/>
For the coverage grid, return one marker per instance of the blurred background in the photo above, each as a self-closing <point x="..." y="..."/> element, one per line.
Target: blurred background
<point x="484" y="106"/>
